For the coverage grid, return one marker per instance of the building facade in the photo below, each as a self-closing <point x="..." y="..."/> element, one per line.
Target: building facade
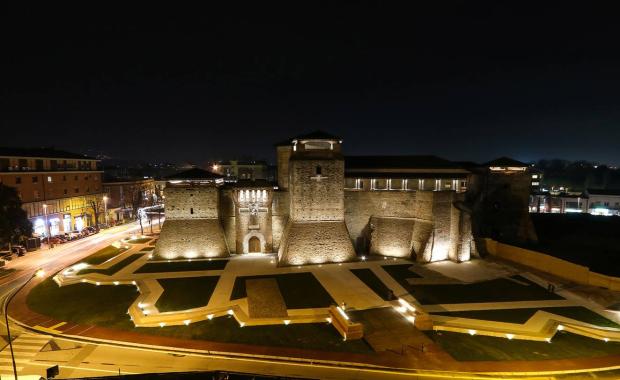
<point x="123" y="195"/>
<point x="324" y="208"/>
<point x="604" y="202"/>
<point x="56" y="186"/>
<point x="235" y="170"/>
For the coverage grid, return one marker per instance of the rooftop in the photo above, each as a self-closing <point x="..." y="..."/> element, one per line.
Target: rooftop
<point x="505" y="162"/>
<point x="315" y="135"/>
<point x="193" y="174"/>
<point x="399" y="162"/>
<point x="41" y="153"/>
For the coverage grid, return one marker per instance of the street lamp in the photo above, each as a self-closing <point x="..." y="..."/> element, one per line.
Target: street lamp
<point x="47" y="228"/>
<point x="105" y="209"/>
<point x="38" y="273"/>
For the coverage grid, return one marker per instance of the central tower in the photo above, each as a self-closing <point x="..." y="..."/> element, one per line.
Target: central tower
<point x="316" y="232"/>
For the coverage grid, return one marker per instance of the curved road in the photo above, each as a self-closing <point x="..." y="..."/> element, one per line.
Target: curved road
<point x="36" y="352"/>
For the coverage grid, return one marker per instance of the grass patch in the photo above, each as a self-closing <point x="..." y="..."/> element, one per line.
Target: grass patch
<point x="564" y="345"/>
<point x="102" y="255"/>
<point x="401" y="273"/>
<point x="114" y="268"/>
<point x="182" y="266"/>
<point x="139" y="240"/>
<point x="84" y="303"/>
<point x="368" y="277"/>
<point x="185" y="293"/>
<point x="299" y="290"/>
<point x="107" y="306"/>
<point x="582" y="314"/>
<point x="147" y="249"/>
<point x="497" y="290"/>
<point x="521" y="316"/>
<point x="312" y="336"/>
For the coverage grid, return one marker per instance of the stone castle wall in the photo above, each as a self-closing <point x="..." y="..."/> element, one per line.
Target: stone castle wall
<point x="360" y="206"/>
<point x="316" y="197"/>
<point x="279" y="217"/>
<point x="192" y="227"/>
<point x="315" y="243"/>
<point x="284" y="154"/>
<point x="425" y="224"/>
<point x="228" y="219"/>
<point x="191" y="238"/>
<point x="192" y="202"/>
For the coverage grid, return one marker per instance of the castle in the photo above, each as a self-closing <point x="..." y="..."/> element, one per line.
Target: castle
<point x="324" y="208"/>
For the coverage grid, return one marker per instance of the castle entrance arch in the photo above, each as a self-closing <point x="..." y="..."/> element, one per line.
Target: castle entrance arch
<point x="254" y="242"/>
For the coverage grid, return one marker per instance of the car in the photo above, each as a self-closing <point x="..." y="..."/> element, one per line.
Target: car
<point x="53" y="240"/>
<point x="19" y="250"/>
<point x="5" y="254"/>
<point x="92" y="230"/>
<point x="74" y="235"/>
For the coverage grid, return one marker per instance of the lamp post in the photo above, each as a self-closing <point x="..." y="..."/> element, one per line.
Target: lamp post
<point x="47" y="228"/>
<point x="105" y="209"/>
<point x="37" y="273"/>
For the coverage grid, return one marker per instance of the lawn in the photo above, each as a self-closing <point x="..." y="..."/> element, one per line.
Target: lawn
<point x="299" y="290"/>
<point x="185" y="293"/>
<point x="521" y="316"/>
<point x="139" y="240"/>
<point x="368" y="277"/>
<point x="107" y="306"/>
<point x="102" y="255"/>
<point x="114" y="268"/>
<point x="182" y="266"/>
<point x="84" y="303"/>
<point x="497" y="290"/>
<point x="563" y="346"/>
<point x="312" y="336"/>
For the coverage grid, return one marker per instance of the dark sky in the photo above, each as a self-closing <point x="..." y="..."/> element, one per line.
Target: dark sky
<point x="463" y="80"/>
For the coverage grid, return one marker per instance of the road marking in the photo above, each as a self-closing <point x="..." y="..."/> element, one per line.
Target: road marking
<point x="25" y="347"/>
<point x="50" y="330"/>
<point x="57" y="325"/>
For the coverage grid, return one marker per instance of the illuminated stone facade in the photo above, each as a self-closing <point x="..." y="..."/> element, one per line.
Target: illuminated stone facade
<point x="192" y="228"/>
<point x="319" y="212"/>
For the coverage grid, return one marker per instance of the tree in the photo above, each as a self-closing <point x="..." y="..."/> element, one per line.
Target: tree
<point x="14" y="223"/>
<point x="96" y="205"/>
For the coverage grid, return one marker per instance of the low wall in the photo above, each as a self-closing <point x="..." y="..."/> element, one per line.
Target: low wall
<point x="552" y="265"/>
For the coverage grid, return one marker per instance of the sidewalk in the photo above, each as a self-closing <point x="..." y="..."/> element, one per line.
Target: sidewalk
<point x="433" y="359"/>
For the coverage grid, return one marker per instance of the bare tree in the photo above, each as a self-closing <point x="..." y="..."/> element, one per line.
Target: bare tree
<point x="96" y="206"/>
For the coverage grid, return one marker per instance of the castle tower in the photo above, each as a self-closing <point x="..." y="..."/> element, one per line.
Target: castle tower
<point x="192" y="227"/>
<point x="316" y="232"/>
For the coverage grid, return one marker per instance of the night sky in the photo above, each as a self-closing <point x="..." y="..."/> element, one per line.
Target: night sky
<point x="461" y="80"/>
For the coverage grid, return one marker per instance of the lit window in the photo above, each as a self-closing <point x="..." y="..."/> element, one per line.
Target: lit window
<point x="49" y="178"/>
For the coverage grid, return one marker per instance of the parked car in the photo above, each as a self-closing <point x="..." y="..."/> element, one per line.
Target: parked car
<point x="6" y="255"/>
<point x="53" y="240"/>
<point x="74" y="235"/>
<point x="92" y="230"/>
<point x="19" y="250"/>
